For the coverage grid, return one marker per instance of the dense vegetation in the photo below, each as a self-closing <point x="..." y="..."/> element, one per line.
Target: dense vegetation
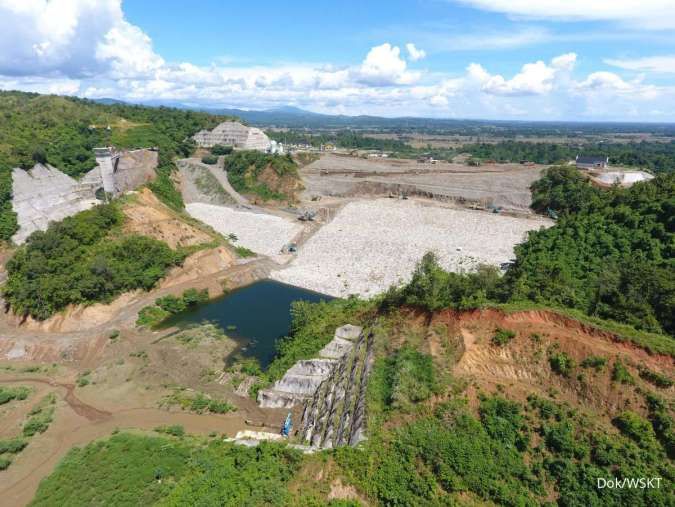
<point x="63" y="131"/>
<point x="494" y="457"/>
<point x="655" y="156"/>
<point x="611" y="253"/>
<point x="132" y="469"/>
<point x="245" y="171"/>
<point x="75" y="261"/>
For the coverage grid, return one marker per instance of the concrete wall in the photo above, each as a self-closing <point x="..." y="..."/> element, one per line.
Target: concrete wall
<point x="133" y="169"/>
<point x="44" y="194"/>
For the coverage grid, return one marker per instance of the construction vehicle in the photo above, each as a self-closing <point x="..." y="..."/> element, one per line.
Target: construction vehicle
<point x="288" y="426"/>
<point x="307" y="215"/>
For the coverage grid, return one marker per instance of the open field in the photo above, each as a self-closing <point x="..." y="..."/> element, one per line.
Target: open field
<point x="263" y="233"/>
<point x="371" y="245"/>
<point x="505" y="185"/>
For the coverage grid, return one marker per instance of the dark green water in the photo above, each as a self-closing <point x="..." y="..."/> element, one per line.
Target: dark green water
<point x="255" y="316"/>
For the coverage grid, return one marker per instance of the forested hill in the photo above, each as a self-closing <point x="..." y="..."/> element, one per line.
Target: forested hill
<point x="63" y="131"/>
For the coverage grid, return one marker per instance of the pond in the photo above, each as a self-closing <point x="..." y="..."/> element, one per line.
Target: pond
<point x="255" y="316"/>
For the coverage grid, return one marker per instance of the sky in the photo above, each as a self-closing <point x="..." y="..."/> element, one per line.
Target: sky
<point x="582" y="60"/>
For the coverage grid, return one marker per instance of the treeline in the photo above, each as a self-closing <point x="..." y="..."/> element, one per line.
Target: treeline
<point x="342" y="139"/>
<point x="63" y="131"/>
<point x="610" y="255"/>
<point x="76" y="261"/>
<point x="655" y="156"/>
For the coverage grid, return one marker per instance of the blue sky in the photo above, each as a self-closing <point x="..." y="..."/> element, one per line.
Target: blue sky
<point x="511" y="59"/>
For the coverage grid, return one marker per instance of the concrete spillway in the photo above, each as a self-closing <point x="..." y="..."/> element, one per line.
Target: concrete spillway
<point x="331" y="389"/>
<point x="44" y="194"/>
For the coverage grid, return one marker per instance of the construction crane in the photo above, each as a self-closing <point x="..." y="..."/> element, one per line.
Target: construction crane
<point x="287" y="427"/>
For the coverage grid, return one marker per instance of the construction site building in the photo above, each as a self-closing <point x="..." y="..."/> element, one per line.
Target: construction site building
<point x="232" y="133"/>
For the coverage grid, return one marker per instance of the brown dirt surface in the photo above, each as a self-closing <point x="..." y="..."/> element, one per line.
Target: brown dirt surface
<point x="501" y="185"/>
<point x="128" y="378"/>
<point x="522" y="366"/>
<point x="146" y="215"/>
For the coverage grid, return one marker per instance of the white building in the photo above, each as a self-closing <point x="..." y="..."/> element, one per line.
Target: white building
<point x="276" y="148"/>
<point x="232" y="133"/>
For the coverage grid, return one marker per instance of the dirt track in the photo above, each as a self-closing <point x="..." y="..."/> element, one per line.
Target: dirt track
<point x="77" y="422"/>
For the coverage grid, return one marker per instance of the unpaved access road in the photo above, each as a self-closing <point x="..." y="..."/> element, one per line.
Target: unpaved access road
<point x="77" y="423"/>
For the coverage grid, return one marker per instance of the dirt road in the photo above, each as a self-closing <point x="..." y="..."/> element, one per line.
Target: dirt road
<point x="77" y="423"/>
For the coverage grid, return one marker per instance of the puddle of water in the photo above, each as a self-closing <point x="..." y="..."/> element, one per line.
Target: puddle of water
<point x="256" y="316"/>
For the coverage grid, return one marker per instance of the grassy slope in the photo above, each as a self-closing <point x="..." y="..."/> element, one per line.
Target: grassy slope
<point x="130" y="469"/>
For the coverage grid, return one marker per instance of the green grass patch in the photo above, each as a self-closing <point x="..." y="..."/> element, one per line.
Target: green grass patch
<point x="40" y="417"/>
<point x="196" y="402"/>
<point x="621" y="374"/>
<point x="131" y="469"/>
<point x="502" y="337"/>
<point x="167" y="306"/>
<point x="8" y="394"/>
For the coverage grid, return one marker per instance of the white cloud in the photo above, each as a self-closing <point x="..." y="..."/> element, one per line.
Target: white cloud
<point x="88" y="48"/>
<point x="650" y="14"/>
<point x="533" y="79"/>
<point x="72" y="38"/>
<point x="658" y="64"/>
<point x="384" y="66"/>
<point x="413" y="53"/>
<point x="488" y="40"/>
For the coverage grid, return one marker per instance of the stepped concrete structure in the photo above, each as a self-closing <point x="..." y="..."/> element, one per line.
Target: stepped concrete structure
<point x="331" y="389"/>
<point x="232" y="133"/>
<point x="44" y="194"/>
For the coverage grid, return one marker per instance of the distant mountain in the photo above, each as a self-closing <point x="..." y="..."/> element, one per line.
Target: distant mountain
<point x="296" y="118"/>
<point x="109" y="101"/>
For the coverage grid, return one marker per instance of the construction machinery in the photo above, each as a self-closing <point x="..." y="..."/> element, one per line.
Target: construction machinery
<point x="288" y="426"/>
<point x="307" y="215"/>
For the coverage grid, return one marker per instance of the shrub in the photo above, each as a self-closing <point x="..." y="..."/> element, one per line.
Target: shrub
<point x="595" y="362"/>
<point x="502" y="336"/>
<point x="561" y="363"/>
<point x="171" y="304"/>
<point x="4" y="463"/>
<point x="209" y="159"/>
<point x="658" y="379"/>
<point x="8" y="394"/>
<point x="193" y="296"/>
<point x="636" y="428"/>
<point x="165" y="307"/>
<point x="220" y="407"/>
<point x="621" y="374"/>
<point x="151" y="316"/>
<point x="220" y="149"/>
<point x="165" y="190"/>
<point x="175" y="430"/>
<point x="12" y="446"/>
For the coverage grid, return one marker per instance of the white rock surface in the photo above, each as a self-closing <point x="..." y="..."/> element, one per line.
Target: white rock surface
<point x="371" y="245"/>
<point x="263" y="233"/>
<point x="302" y="379"/>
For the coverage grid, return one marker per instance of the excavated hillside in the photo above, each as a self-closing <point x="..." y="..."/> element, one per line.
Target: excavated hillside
<point x="530" y="361"/>
<point x="263" y="177"/>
